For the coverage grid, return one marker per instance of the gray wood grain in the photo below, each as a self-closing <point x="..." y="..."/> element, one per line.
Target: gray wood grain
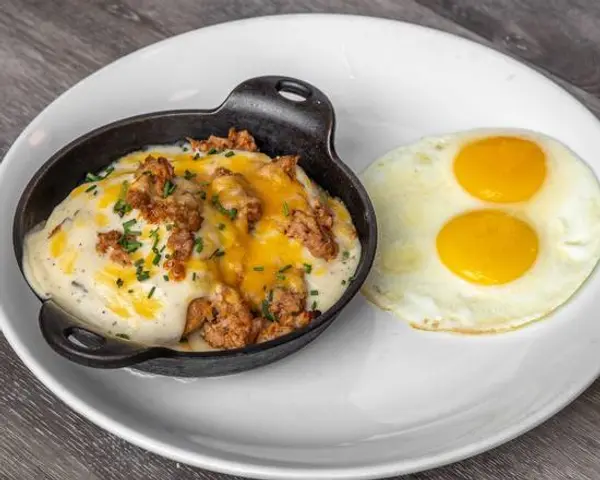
<point x="47" y="46"/>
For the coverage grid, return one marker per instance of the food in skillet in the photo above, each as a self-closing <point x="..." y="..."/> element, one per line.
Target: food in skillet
<point x="481" y="231"/>
<point x="206" y="244"/>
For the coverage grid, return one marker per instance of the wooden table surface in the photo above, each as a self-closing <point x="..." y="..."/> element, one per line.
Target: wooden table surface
<point x="48" y="45"/>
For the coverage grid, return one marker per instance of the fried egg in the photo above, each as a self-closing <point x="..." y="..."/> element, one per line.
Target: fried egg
<point x="481" y="231"/>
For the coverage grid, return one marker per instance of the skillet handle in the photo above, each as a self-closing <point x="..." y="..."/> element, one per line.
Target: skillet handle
<point x="288" y="101"/>
<point x="68" y="338"/>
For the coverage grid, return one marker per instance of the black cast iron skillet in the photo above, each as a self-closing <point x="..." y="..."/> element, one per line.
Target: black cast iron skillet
<point x="280" y="125"/>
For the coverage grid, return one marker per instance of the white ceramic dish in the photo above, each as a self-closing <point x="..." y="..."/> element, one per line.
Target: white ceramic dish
<point x="371" y="397"/>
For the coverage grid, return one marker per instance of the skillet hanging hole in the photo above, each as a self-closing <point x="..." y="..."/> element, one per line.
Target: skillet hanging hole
<point x="293" y="91"/>
<point x="84" y="339"/>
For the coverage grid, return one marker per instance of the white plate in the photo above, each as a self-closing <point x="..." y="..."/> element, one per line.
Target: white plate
<point x="371" y="397"/>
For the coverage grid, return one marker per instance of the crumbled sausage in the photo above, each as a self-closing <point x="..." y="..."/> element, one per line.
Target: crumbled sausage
<point x="176" y="268"/>
<point x="199" y="311"/>
<point x="242" y="140"/>
<point x="238" y="195"/>
<point x="236" y="140"/>
<point x="109" y="241"/>
<point x="181" y="244"/>
<point x="273" y="330"/>
<point x="286" y="306"/>
<point x="288" y="164"/>
<point x="281" y="168"/>
<point x="183" y="207"/>
<point x="319" y="240"/>
<point x="323" y="215"/>
<point x="156" y="171"/>
<point x="286" y="302"/>
<point x="232" y="325"/>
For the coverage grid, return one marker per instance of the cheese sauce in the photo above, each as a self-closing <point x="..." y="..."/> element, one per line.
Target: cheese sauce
<point x="139" y="301"/>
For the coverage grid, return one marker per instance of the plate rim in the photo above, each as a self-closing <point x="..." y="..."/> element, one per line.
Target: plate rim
<point x="257" y="470"/>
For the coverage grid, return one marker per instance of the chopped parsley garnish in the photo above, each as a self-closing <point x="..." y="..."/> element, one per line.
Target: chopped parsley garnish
<point x="231" y="213"/>
<point x="212" y="151"/>
<point x="169" y="188"/>
<point x="221" y="226"/>
<point x="230" y="154"/>
<point x="128" y="231"/>
<point x="286" y="209"/>
<point x="128" y="244"/>
<point x="91" y="189"/>
<point x="285" y="269"/>
<point x="157" y="253"/>
<point x="130" y="290"/>
<point x="314" y="292"/>
<point x="129" y="223"/>
<point x="314" y="305"/>
<point x="91" y="177"/>
<point x="154" y="234"/>
<point x="140" y="273"/>
<point x="259" y="268"/>
<point x="166" y="278"/>
<point x="280" y="276"/>
<point x="128" y="241"/>
<point x="185" y="149"/>
<point x="194" y="276"/>
<point x="196" y="157"/>
<point x="352" y="278"/>
<point x="307" y="267"/>
<point x="151" y="292"/>
<point x="189" y="175"/>
<point x="169" y="227"/>
<point x="217" y="253"/>
<point x="124" y="189"/>
<point x="343" y="282"/>
<point x="121" y="207"/>
<point x="345" y="255"/>
<point x="122" y="335"/>
<point x="202" y="194"/>
<point x="198" y="244"/>
<point x="120" y="282"/>
<point x="264" y="306"/>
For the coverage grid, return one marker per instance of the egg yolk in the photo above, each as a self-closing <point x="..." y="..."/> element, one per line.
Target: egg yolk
<point x="501" y="169"/>
<point x="487" y="247"/>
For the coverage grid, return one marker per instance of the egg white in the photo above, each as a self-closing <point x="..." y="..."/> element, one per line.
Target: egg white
<point x="415" y="193"/>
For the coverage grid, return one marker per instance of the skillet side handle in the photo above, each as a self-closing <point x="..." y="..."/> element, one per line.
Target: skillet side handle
<point x="286" y="100"/>
<point x="68" y="338"/>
